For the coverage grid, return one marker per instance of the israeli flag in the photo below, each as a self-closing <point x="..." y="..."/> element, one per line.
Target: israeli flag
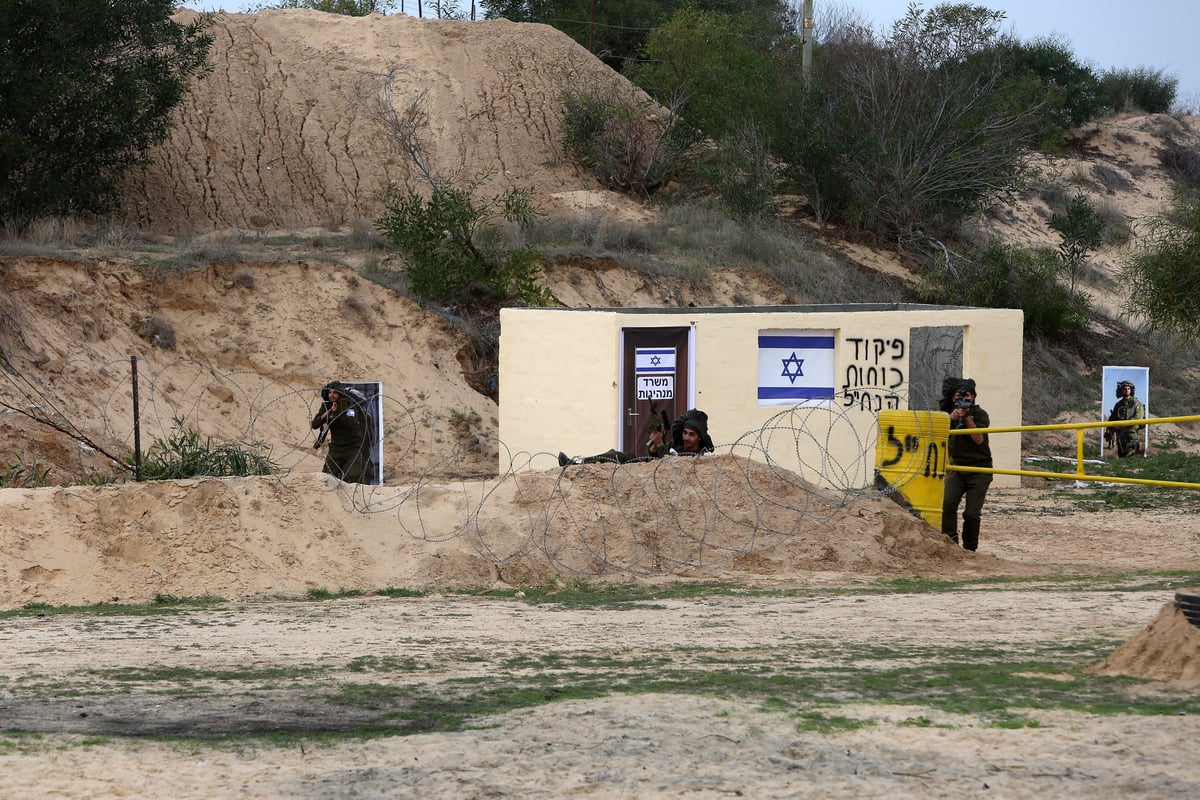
<point x="794" y="367"/>
<point x="654" y="360"/>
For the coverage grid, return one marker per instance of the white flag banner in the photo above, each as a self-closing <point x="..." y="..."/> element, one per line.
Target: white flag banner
<point x="654" y="360"/>
<point x="795" y="366"/>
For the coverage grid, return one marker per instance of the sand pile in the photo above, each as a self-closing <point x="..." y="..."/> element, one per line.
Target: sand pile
<point x="1168" y="649"/>
<point x="715" y="518"/>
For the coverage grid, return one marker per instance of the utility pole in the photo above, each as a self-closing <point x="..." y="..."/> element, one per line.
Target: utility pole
<point x="806" y="41"/>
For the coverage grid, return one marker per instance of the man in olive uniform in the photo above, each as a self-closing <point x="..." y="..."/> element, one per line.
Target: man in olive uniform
<point x="689" y="437"/>
<point x="1128" y="437"/>
<point x="345" y="421"/>
<point x="968" y="450"/>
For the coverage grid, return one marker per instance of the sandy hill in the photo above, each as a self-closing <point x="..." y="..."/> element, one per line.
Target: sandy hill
<point x="284" y="132"/>
<point x="278" y="138"/>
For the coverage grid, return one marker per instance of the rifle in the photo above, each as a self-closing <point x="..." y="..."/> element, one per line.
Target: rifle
<point x="324" y="428"/>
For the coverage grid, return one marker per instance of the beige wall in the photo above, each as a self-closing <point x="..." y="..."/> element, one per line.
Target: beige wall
<point x="560" y="381"/>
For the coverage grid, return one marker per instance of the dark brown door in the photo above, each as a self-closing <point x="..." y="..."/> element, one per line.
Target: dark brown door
<point x="656" y="378"/>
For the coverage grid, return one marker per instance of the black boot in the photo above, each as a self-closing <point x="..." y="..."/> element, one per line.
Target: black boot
<point x="563" y="461"/>
<point x="970" y="534"/>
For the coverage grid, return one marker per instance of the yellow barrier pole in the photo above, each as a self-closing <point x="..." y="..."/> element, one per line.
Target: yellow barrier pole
<point x="1079" y="428"/>
<point x="1079" y="451"/>
<point x="1029" y="473"/>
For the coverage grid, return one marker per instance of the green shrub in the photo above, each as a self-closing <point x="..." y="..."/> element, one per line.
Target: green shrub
<point x="745" y="174"/>
<point x="183" y="454"/>
<point x="1162" y="274"/>
<point x="1139" y="89"/>
<point x="446" y="242"/>
<point x="1082" y="231"/>
<point x="1072" y="90"/>
<point x="999" y="275"/>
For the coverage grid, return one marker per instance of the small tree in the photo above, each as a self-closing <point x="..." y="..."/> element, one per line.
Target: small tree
<point x="907" y="135"/>
<point x="87" y="89"/>
<point x="442" y="240"/>
<point x="1082" y="231"/>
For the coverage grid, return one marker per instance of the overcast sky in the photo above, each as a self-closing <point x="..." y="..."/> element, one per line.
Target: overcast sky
<point x="1160" y="34"/>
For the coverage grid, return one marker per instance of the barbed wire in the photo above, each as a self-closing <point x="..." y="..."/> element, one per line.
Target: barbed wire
<point x="444" y="478"/>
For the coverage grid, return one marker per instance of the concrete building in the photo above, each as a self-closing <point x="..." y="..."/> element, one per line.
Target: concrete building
<point x="800" y="386"/>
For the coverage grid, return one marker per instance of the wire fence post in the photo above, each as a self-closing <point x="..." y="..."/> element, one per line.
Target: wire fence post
<point x="137" y="424"/>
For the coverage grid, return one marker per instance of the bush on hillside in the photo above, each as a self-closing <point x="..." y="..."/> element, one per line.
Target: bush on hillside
<point x="446" y="243"/>
<point x="1139" y="89"/>
<point x="904" y="136"/>
<point x="1072" y="91"/>
<point x="1162" y="274"/>
<point x="999" y="275"/>
<point x="618" y="135"/>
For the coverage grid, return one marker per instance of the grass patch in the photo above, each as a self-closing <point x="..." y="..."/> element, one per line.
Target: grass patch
<point x="574" y="595"/>
<point x="162" y="604"/>
<point x="1167" y="465"/>
<point x="815" y="679"/>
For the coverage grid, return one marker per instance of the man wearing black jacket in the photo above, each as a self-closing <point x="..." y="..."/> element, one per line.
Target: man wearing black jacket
<point x="968" y="450"/>
<point x="345" y="422"/>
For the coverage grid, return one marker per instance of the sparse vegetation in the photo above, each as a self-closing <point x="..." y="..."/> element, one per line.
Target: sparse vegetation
<point x="999" y="275"/>
<point x="348" y="8"/>
<point x="184" y="454"/>
<point x="20" y="475"/>
<point x="159" y="332"/>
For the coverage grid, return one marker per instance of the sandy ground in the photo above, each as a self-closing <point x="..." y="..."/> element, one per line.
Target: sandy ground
<point x="274" y="141"/>
<point x="61" y="680"/>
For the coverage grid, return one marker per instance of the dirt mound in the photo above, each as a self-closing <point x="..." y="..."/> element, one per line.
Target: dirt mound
<point x="711" y="518"/>
<point x="1168" y="649"/>
<point x="280" y="133"/>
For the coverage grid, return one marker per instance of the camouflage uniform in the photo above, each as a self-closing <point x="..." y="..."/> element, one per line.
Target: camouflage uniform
<point x="1128" y="438"/>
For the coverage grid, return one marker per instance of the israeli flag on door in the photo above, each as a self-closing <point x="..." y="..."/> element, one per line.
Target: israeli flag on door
<point x="795" y="366"/>
<point x="654" y="360"/>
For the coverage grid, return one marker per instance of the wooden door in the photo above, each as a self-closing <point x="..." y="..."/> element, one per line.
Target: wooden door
<point x="656" y="379"/>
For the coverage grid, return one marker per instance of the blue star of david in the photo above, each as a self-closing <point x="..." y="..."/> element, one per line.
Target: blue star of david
<point x="793" y="367"/>
<point x="655" y="361"/>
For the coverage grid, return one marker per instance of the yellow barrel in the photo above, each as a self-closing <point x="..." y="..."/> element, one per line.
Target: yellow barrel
<point x="911" y="456"/>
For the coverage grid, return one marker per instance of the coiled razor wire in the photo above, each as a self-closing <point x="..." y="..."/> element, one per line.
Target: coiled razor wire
<point x="668" y="515"/>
